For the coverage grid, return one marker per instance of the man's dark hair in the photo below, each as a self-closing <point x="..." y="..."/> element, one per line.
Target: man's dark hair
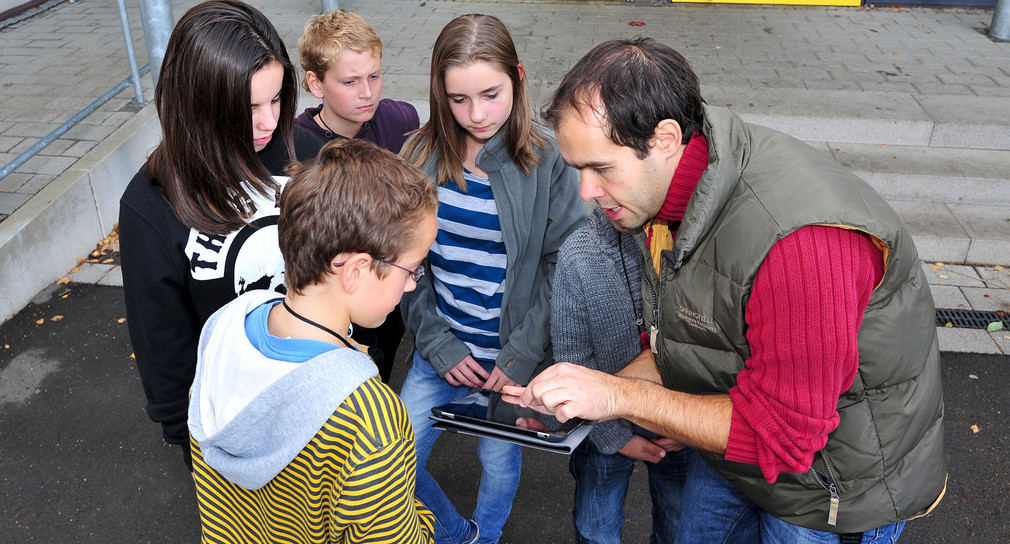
<point x="635" y="84"/>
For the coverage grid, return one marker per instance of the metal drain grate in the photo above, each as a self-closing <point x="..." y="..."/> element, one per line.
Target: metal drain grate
<point x="970" y="319"/>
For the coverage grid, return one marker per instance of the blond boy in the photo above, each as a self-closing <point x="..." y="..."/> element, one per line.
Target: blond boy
<point x="342" y="59"/>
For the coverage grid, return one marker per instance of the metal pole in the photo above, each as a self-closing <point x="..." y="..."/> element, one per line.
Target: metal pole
<point x="330" y="5"/>
<point x="137" y="91"/>
<point x="1000" y="28"/>
<point x="60" y="130"/>
<point x="158" y="23"/>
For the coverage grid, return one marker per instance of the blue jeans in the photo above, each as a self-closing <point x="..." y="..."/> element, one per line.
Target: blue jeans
<point x="714" y="511"/>
<point x="601" y="483"/>
<point x="422" y="390"/>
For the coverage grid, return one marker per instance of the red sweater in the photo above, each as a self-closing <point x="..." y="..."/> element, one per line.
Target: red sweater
<point x="803" y="316"/>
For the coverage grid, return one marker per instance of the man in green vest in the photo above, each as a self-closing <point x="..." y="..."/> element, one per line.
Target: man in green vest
<point x="790" y="326"/>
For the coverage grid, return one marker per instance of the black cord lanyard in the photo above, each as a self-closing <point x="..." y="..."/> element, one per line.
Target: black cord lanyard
<point x="329" y="134"/>
<point x="638" y="313"/>
<point x="314" y="324"/>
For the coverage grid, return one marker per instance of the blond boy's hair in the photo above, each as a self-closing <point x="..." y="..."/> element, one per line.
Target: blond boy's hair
<point x="328" y="35"/>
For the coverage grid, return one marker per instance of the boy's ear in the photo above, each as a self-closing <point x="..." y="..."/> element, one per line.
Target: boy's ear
<point x="667" y="137"/>
<point x="354" y="270"/>
<point x="315" y="84"/>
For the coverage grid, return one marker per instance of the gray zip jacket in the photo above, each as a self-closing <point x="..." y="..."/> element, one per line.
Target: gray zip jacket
<point x="594" y="310"/>
<point x="537" y="213"/>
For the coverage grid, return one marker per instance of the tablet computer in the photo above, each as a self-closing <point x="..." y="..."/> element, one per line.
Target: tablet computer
<point x="467" y="418"/>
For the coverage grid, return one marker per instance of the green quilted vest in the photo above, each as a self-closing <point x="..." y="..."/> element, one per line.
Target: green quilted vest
<point x="886" y="461"/>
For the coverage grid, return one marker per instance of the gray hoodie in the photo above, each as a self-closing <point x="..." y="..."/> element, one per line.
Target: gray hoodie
<point x="280" y="405"/>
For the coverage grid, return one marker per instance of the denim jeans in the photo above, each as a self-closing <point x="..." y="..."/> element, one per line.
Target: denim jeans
<point x="601" y="483"/>
<point x="714" y="511"/>
<point x="422" y="390"/>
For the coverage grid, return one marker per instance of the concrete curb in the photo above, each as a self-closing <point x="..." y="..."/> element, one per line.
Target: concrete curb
<point x="65" y="220"/>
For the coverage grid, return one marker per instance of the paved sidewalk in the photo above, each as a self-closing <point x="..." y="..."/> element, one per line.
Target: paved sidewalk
<point x="915" y="100"/>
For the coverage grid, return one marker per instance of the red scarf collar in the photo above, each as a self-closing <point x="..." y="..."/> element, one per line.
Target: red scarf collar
<point x="685" y="178"/>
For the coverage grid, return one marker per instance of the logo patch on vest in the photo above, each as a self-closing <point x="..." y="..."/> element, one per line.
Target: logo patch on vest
<point x="697" y="320"/>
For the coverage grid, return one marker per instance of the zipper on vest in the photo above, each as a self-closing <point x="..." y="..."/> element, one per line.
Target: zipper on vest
<point x="654" y="329"/>
<point x="829" y="485"/>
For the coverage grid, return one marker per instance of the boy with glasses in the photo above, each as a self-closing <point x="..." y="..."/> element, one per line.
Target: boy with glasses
<point x="294" y="436"/>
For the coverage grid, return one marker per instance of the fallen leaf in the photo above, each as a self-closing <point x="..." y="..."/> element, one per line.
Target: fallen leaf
<point x="56" y="318"/>
<point x="121" y="320"/>
<point x="943" y="276"/>
<point x="895" y="9"/>
<point x="938" y="264"/>
<point x="1006" y="336"/>
<point x="985" y="296"/>
<point x="40" y="321"/>
<point x="995" y="326"/>
<point x="897" y="52"/>
<point x="972" y="376"/>
<point x="997" y="268"/>
<point x="133" y="356"/>
<point x="7" y="346"/>
<point x="65" y="295"/>
<point x="96" y="254"/>
<point x="636" y="23"/>
<point x="718" y="47"/>
<point x="62" y="280"/>
<point x="872" y="30"/>
<point x="81" y="261"/>
<point x="975" y="429"/>
<point x="949" y="325"/>
<point x="75" y="270"/>
<point x="108" y="261"/>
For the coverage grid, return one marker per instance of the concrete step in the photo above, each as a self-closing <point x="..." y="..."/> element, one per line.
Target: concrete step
<point x="891" y="118"/>
<point x="929" y="174"/>
<point x="956" y="202"/>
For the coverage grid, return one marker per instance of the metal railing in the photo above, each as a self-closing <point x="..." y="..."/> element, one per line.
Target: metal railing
<point x="133" y="79"/>
<point x="158" y="22"/>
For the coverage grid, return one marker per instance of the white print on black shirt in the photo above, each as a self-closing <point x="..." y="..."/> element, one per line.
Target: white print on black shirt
<point x="248" y="258"/>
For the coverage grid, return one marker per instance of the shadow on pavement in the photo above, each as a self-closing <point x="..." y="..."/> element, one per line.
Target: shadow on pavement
<point x="80" y="460"/>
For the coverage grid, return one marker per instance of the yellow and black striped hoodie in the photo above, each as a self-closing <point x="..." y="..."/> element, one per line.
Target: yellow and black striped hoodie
<point x="322" y="454"/>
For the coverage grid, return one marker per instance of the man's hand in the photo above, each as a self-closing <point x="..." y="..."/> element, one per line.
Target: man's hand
<point x="497" y="380"/>
<point x="467" y="372"/>
<point x="642" y="448"/>
<point x="565" y="391"/>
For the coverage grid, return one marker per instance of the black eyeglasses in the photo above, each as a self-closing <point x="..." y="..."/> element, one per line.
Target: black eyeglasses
<point x="415" y="274"/>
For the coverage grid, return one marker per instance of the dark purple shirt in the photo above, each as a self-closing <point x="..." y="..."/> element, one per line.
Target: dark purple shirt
<point x="388" y="128"/>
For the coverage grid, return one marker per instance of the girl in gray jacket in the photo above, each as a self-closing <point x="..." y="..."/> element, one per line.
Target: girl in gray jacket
<point x="506" y="203"/>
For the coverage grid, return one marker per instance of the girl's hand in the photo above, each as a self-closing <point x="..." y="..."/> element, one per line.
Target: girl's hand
<point x="467" y="372"/>
<point x="497" y="380"/>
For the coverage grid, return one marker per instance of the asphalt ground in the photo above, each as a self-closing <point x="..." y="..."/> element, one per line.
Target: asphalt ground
<point x="80" y="461"/>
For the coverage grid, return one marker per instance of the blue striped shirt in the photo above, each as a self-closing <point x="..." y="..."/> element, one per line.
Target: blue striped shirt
<point x="468" y="265"/>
